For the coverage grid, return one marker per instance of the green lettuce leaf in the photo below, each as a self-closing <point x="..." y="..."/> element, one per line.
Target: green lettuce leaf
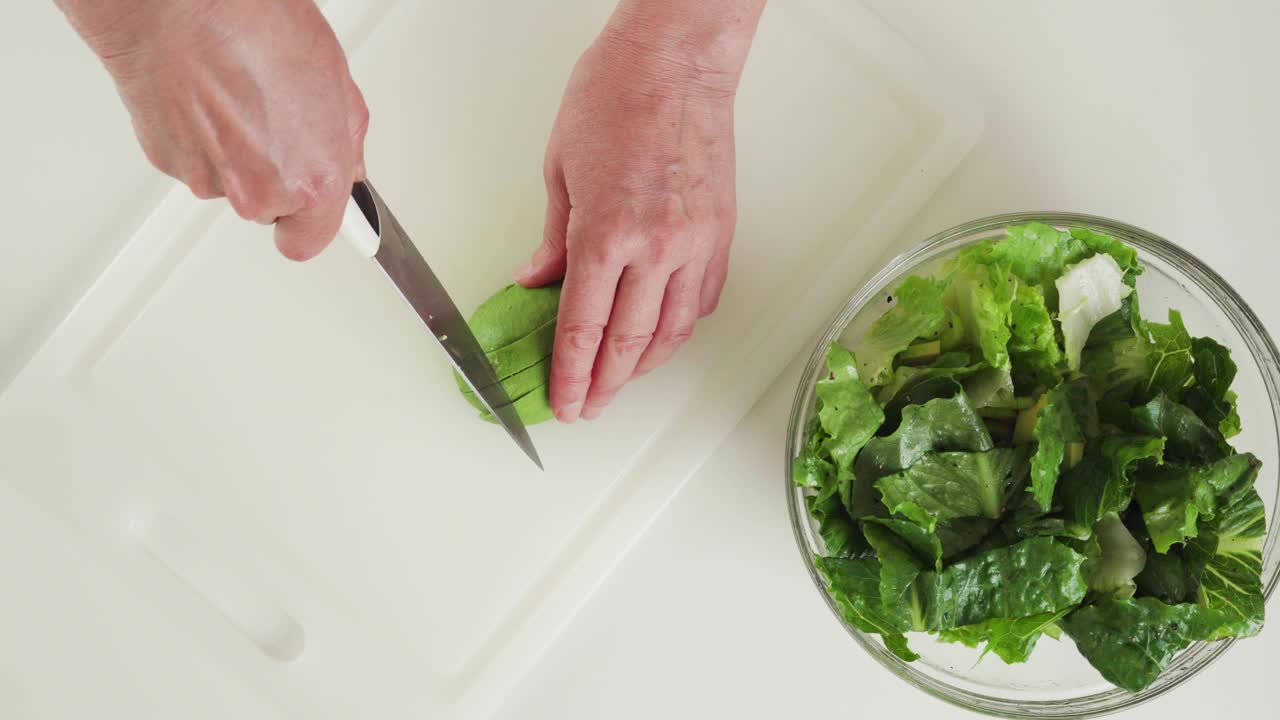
<point x="1169" y="348"/>
<point x="1012" y="639"/>
<point x="1102" y="482"/>
<point x="942" y="486"/>
<point x="922" y="539"/>
<point x="942" y="425"/>
<point x="1033" y="343"/>
<point x="919" y="313"/>
<point x="1212" y="398"/>
<point x="1167" y="578"/>
<point x="1125" y="256"/>
<point x="981" y="296"/>
<point x="1226" y="555"/>
<point x="849" y="414"/>
<point x="899" y="570"/>
<point x="1029" y="578"/>
<point x="1132" y="641"/>
<point x="1174" y="497"/>
<point x="1063" y="420"/>
<point x="1118" y="368"/>
<point x="854" y="585"/>
<point x="1187" y="438"/>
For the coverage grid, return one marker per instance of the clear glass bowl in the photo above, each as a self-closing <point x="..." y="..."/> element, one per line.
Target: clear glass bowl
<point x="1057" y="682"/>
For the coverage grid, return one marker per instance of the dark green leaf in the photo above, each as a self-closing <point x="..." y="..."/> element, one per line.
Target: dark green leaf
<point x="1212" y="398"/>
<point x="1187" y="438"/>
<point x="1167" y="578"/>
<point x="922" y="539"/>
<point x="1032" y="577"/>
<point x="854" y="585"/>
<point x="1063" y="420"/>
<point x="1012" y="639"/>
<point x="1174" y="497"/>
<point x="1033" y="345"/>
<point x="942" y="486"/>
<point x="899" y="570"/>
<point x="1169" y="348"/>
<point x="943" y="425"/>
<point x="1102" y="482"/>
<point x="1132" y="641"/>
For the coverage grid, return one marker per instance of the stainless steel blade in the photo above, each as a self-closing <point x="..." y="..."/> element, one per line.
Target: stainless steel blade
<point x="418" y="285"/>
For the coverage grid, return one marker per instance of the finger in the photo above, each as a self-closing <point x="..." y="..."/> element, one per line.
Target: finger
<point x="548" y="262"/>
<point x="713" y="280"/>
<point x="681" y="304"/>
<point x="202" y="179"/>
<point x="303" y="234"/>
<point x="590" y="284"/>
<point x="358" y="122"/>
<point x="631" y="325"/>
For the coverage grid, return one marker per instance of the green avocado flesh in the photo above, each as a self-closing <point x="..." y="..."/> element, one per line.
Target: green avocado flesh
<point x="516" y="328"/>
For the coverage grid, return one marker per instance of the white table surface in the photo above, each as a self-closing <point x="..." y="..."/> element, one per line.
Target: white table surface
<point x="1161" y="114"/>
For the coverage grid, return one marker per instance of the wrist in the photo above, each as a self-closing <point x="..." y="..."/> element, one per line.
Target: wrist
<point x="699" y="41"/>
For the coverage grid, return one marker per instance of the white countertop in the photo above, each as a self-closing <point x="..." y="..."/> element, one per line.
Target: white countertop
<point x="1160" y="114"/>
<point x="1155" y="113"/>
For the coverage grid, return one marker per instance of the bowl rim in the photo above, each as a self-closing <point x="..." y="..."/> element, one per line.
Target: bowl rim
<point x="1261" y="347"/>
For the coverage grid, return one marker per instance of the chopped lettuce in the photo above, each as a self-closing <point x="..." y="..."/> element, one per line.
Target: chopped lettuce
<point x="918" y="313"/>
<point x="1016" y="452"/>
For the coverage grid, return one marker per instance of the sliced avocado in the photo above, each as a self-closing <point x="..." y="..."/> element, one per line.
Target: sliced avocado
<point x="921" y="353"/>
<point x="1024" y="431"/>
<point x="516" y="328"/>
<point x="518" y="385"/>
<point x="533" y="408"/>
<point x="1075" y="453"/>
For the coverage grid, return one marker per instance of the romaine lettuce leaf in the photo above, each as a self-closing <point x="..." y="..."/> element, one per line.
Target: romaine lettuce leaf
<point x="1132" y="641"/>
<point x="899" y="570"/>
<point x="1169" y="348"/>
<point x="943" y="425"/>
<point x="1187" y="438"/>
<point x="1033" y="343"/>
<point x="922" y="539"/>
<point x="1000" y="583"/>
<point x="1226" y="555"/>
<point x="1174" y="497"/>
<point x="1064" y="419"/>
<point x="1102" y="483"/>
<point x="981" y="296"/>
<point x="1212" y="398"/>
<point x="1012" y="639"/>
<point x="919" y="313"/>
<point x="849" y="414"/>
<point x="854" y="585"/>
<point x="1088" y="292"/>
<point x="942" y="486"/>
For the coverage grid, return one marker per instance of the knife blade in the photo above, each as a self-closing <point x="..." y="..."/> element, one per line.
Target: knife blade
<point x="375" y="233"/>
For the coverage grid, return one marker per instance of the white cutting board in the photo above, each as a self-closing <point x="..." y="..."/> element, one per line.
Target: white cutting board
<point x="275" y="458"/>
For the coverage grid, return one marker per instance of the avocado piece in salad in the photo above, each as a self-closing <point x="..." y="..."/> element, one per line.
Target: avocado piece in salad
<point x="1013" y="451"/>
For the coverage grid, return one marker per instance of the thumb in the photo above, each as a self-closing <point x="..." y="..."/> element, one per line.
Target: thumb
<point x="302" y="235"/>
<point x="549" y="260"/>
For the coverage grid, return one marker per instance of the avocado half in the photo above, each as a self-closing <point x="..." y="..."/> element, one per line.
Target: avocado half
<point x="516" y="329"/>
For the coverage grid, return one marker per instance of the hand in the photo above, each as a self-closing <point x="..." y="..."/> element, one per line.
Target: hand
<point x="244" y="99"/>
<point x="640" y="206"/>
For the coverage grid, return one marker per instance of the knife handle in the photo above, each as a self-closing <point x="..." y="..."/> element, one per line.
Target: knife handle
<point x="357" y="230"/>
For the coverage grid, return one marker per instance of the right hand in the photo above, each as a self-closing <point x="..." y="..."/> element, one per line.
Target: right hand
<point x="243" y="99"/>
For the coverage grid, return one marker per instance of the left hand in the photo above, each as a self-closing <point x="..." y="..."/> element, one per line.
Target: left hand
<point x="640" y="214"/>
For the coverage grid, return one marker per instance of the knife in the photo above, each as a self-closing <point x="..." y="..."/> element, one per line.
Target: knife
<point x="375" y="233"/>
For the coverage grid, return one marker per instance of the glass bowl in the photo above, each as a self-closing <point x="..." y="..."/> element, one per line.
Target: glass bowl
<point x="1057" y="682"/>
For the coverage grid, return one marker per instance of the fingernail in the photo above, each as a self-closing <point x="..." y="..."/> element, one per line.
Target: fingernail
<point x="591" y="412"/>
<point x="569" y="413"/>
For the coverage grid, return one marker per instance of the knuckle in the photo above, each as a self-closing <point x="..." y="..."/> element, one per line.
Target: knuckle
<point x="319" y="186"/>
<point x="629" y="343"/>
<point x="675" y="336"/>
<point x="359" y="119"/>
<point x="582" y="336"/>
